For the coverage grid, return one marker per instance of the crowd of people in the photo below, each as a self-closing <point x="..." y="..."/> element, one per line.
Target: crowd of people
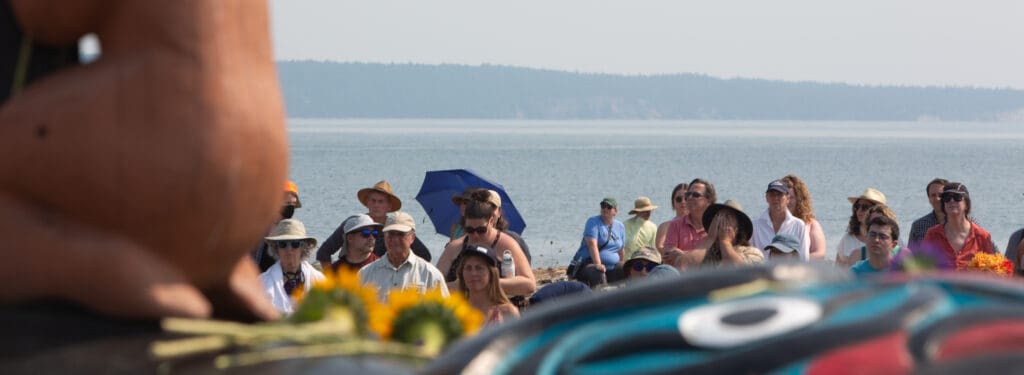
<point x="705" y="233"/>
<point x="381" y="244"/>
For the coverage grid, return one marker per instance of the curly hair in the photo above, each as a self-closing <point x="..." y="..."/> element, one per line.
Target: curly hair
<point x="879" y="209"/>
<point x="307" y="249"/>
<point x="802" y="208"/>
<point x="854" y="226"/>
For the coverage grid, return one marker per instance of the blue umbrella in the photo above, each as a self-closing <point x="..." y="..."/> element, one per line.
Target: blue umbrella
<point x="436" y="198"/>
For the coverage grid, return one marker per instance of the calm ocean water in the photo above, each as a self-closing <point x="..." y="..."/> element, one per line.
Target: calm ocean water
<point x="556" y="172"/>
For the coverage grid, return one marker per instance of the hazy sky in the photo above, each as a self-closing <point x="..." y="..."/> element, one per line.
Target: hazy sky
<point x="910" y="42"/>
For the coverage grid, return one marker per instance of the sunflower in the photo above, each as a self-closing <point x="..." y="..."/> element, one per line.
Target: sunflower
<point x="342" y="299"/>
<point x="994" y="263"/>
<point x="431" y="320"/>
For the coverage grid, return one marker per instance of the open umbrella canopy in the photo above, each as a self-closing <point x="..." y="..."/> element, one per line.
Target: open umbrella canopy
<point x="436" y="198"/>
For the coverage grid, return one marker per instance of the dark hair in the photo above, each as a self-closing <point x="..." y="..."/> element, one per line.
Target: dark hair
<point x="479" y="210"/>
<point x="958" y="188"/>
<point x="854" y="226"/>
<point x="886" y="222"/>
<point x="709" y="189"/>
<point x="681" y="186"/>
<point x="936" y="181"/>
<point x="483" y="195"/>
<point x="479" y="195"/>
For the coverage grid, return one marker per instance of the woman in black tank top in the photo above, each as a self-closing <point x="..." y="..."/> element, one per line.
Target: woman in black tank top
<point x="480" y="228"/>
<point x="451" y="275"/>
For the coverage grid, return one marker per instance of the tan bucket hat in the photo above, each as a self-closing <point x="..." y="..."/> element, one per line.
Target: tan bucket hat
<point x="384" y="187"/>
<point x="289" y="229"/>
<point x="642" y="204"/>
<point x="646" y="253"/>
<point x="870" y="194"/>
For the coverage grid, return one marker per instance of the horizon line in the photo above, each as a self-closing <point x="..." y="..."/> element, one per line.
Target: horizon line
<point x="662" y="74"/>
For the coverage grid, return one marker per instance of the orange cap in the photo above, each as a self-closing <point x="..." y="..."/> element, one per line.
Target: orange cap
<point x="289" y="187"/>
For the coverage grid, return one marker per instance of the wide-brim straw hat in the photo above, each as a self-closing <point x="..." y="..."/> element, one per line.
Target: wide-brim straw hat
<point x="642" y="204"/>
<point x="384" y="187"/>
<point x="871" y="194"/>
<point x="746" y="228"/>
<point x="289" y="229"/>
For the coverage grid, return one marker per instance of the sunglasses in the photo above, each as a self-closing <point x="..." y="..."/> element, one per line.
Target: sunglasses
<point x="858" y="206"/>
<point x="366" y="233"/>
<point x="693" y="194"/>
<point x="287" y="244"/>
<point x="640" y="266"/>
<point x="477" y="230"/>
<point x="952" y="197"/>
<point x="606" y="206"/>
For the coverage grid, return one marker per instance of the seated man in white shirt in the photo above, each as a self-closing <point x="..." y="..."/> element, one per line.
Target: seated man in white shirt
<point x="776" y="219"/>
<point x="400" y="268"/>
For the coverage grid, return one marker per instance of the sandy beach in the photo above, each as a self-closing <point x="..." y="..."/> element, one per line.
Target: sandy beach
<point x="548" y="275"/>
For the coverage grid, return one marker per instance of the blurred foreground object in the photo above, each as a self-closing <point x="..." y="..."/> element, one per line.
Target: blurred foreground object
<point x="780" y="318"/>
<point x="141" y="179"/>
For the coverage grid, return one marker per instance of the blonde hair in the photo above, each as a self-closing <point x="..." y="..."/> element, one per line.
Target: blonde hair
<point x="494" y="292"/>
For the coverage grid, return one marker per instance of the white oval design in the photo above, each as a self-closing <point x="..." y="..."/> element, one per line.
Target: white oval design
<point x="702" y="326"/>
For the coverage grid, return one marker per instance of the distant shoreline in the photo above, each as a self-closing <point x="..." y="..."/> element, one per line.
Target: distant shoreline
<point x="317" y="89"/>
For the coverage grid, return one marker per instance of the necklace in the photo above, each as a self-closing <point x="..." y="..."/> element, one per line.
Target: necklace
<point x="292" y="280"/>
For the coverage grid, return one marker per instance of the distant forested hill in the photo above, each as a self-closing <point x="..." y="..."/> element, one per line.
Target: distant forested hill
<point x="356" y="90"/>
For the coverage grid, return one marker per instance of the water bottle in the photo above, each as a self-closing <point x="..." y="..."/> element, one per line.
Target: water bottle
<point x="508" y="268"/>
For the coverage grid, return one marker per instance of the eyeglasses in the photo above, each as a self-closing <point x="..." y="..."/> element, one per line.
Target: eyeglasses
<point x="287" y="244"/>
<point x="477" y="230"/>
<point x="858" y="206"/>
<point x="680" y="198"/>
<point x="952" y="197"/>
<point x="640" y="266"/>
<point x="880" y="236"/>
<point x="366" y="233"/>
<point x="693" y="194"/>
<point x="606" y="206"/>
